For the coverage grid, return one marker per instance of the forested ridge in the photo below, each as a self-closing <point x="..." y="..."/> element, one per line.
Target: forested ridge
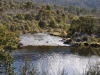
<point x="79" y="3"/>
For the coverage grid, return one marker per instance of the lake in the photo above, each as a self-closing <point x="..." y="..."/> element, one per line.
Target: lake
<point x="43" y="54"/>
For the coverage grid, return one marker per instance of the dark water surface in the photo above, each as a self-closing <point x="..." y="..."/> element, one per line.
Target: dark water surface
<point x="52" y="60"/>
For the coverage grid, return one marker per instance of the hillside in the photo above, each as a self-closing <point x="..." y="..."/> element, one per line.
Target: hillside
<point x="79" y="3"/>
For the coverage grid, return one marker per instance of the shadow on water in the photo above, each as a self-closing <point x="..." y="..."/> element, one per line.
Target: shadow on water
<point x="48" y="49"/>
<point x="36" y="52"/>
<point x="53" y="60"/>
<point x="86" y="51"/>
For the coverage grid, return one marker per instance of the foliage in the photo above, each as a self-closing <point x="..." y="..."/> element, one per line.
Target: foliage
<point x="29" y="4"/>
<point x="5" y="61"/>
<point x="21" y="16"/>
<point x="8" y="41"/>
<point x="42" y="24"/>
<point x="48" y="7"/>
<point x="84" y="24"/>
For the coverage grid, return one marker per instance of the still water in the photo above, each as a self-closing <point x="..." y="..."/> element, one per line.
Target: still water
<point x="52" y="60"/>
<point x="44" y="54"/>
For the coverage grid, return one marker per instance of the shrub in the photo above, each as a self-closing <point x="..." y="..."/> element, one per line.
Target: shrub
<point x="20" y="16"/>
<point x="42" y="24"/>
<point x="48" y="7"/>
<point x="52" y="24"/>
<point x="28" y="16"/>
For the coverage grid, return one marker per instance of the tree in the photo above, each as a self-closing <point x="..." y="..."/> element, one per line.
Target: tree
<point x="84" y="24"/>
<point x="48" y="7"/>
<point x="42" y="24"/>
<point x="94" y="10"/>
<point x="29" y="4"/>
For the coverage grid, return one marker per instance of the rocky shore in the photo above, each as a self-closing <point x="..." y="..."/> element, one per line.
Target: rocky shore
<point x="48" y="39"/>
<point x="80" y="46"/>
<point x="81" y="43"/>
<point x="79" y="40"/>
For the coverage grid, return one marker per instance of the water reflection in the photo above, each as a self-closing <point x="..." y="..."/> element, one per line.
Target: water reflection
<point x="55" y="60"/>
<point x="86" y="51"/>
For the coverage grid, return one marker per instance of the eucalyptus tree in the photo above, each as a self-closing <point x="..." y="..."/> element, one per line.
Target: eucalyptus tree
<point x="85" y="24"/>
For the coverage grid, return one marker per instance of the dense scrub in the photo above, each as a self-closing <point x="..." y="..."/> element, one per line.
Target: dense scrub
<point x="30" y="17"/>
<point x="78" y="3"/>
<point x="8" y="42"/>
<point x="85" y="24"/>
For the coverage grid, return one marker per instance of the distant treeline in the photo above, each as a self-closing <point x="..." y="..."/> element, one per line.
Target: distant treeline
<point x="78" y="3"/>
<point x="76" y="7"/>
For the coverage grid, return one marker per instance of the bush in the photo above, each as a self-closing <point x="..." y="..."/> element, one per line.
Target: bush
<point x="48" y="7"/>
<point x="42" y="24"/>
<point x="52" y="24"/>
<point x="28" y="16"/>
<point x="20" y="16"/>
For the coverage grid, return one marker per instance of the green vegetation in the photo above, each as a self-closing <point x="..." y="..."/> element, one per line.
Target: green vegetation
<point x="8" y="42"/>
<point x="85" y="24"/>
<point x="18" y="17"/>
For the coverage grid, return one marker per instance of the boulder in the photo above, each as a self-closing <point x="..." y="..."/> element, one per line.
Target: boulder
<point x="55" y="33"/>
<point x="20" y="45"/>
<point x="86" y="44"/>
<point x="78" y="40"/>
<point x="68" y="41"/>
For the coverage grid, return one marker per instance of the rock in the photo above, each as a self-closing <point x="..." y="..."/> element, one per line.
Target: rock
<point x="20" y="45"/>
<point x="55" y="33"/>
<point x="78" y="40"/>
<point x="68" y="41"/>
<point x="75" y="44"/>
<point x="85" y="38"/>
<point x="86" y="44"/>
